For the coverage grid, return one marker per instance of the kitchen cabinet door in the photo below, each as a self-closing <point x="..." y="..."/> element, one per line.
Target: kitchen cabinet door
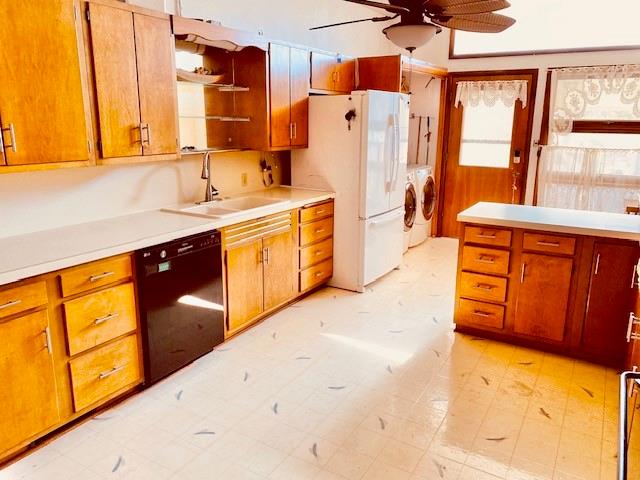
<point x="156" y="84"/>
<point x="299" y="83"/>
<point x="244" y="277"/>
<point x="280" y="96"/>
<point x="116" y="77"/>
<point x="609" y="301"/>
<point x="44" y="106"/>
<point x="543" y="296"/>
<point x="332" y="73"/>
<point x="28" y="395"/>
<point x="280" y="269"/>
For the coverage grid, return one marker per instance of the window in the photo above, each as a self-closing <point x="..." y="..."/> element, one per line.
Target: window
<point x="486" y="135"/>
<point x="552" y="25"/>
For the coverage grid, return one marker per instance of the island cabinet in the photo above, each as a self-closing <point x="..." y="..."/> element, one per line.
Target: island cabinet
<point x="564" y="293"/>
<point x="42" y="56"/>
<point x="133" y="51"/>
<point x="70" y="343"/>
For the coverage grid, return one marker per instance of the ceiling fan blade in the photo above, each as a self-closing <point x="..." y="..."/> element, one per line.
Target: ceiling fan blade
<point x="386" y="6"/>
<point x="482" y="22"/>
<point x="373" y="19"/>
<point x="467" y="7"/>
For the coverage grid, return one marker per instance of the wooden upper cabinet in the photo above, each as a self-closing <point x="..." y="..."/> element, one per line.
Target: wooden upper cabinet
<point x="391" y="72"/>
<point x="28" y="394"/>
<point x="289" y="73"/>
<point x="280" y="96"/>
<point x="611" y="293"/>
<point x="332" y="73"/>
<point x="280" y="272"/>
<point x="156" y="84"/>
<point x="543" y="296"/>
<point x="135" y="81"/>
<point x="44" y="107"/>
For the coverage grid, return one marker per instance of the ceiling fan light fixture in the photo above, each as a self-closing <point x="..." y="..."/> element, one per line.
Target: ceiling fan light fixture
<point x="411" y="37"/>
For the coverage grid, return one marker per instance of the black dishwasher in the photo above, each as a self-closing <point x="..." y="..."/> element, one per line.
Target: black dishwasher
<point x="180" y="301"/>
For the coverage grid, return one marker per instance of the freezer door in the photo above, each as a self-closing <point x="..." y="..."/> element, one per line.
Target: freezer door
<point x="383" y="244"/>
<point x="401" y="142"/>
<point x="379" y="149"/>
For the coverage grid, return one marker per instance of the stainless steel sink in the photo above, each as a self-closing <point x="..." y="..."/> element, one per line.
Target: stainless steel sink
<point x="229" y="207"/>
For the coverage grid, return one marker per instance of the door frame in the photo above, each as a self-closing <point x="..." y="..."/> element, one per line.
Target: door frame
<point x="441" y="161"/>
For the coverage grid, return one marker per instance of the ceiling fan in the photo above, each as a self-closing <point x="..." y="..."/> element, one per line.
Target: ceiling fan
<point x="420" y="20"/>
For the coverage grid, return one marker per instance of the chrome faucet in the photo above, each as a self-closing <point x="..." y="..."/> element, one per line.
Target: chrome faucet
<point x="211" y="191"/>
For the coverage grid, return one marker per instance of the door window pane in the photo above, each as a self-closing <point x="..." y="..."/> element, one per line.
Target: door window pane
<point x="486" y="136"/>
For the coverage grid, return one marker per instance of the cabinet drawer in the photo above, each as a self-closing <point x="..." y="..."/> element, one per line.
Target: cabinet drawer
<point x="316" y="275"/>
<point x="487" y="236"/>
<point x="541" y="242"/>
<point x="97" y="318"/>
<point x="94" y="275"/>
<point x="316" y="253"/>
<point x="100" y="373"/>
<point x="316" y="231"/>
<point x="485" y="260"/>
<point x="480" y="314"/>
<point x="20" y="299"/>
<point x="483" y="287"/>
<point x="309" y="214"/>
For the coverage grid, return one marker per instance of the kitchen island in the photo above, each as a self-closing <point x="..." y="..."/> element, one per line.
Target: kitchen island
<point x="554" y="279"/>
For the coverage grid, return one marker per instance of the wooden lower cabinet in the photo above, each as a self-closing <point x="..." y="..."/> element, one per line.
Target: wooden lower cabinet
<point x="569" y="294"/>
<point x="28" y="389"/>
<point x="67" y="346"/>
<point x="543" y="296"/>
<point x="280" y="270"/>
<point x="244" y="284"/>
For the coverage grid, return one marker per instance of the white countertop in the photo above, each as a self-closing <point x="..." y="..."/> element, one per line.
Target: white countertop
<point x="24" y="256"/>
<point x="577" y="222"/>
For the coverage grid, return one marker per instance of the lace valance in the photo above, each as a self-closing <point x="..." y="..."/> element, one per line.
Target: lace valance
<point x="489" y="92"/>
<point x="607" y="92"/>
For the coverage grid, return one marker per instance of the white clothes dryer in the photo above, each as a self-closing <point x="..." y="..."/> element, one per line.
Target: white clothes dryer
<point x="426" y="190"/>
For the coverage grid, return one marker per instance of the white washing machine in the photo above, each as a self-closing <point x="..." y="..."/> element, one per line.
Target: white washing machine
<point x="426" y="190"/>
<point x="411" y="207"/>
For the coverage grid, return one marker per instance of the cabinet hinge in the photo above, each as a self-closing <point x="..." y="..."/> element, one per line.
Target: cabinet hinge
<point x="89" y="145"/>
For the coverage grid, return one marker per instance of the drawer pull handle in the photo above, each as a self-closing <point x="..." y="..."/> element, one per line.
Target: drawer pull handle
<point x="100" y="276"/>
<point x="47" y="336"/>
<point x="489" y="236"/>
<point x="113" y="371"/>
<point x="484" y="286"/>
<point x="319" y="230"/>
<point x="633" y="320"/>
<point x="319" y="274"/>
<point x="544" y="243"/>
<point x="486" y="259"/>
<point x="106" y="318"/>
<point x="12" y="303"/>
<point x="318" y="253"/>
<point x="319" y="212"/>
<point x="480" y="313"/>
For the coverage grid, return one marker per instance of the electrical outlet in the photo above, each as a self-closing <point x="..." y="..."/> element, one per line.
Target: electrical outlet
<point x="244" y="179"/>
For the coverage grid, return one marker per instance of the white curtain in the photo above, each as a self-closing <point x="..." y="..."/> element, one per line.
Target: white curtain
<point x="489" y="92"/>
<point x="604" y="180"/>
<point x="594" y="93"/>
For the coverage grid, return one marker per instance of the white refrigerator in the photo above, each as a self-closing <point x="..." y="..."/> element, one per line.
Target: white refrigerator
<point x="358" y="149"/>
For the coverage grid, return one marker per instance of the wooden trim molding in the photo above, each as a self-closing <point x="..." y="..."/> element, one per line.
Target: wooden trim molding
<point x="606" y="126"/>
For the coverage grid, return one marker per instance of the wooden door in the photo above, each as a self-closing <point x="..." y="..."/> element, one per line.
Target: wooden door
<point x="280" y="96"/>
<point x="244" y="284"/>
<point x="609" y="301"/>
<point x="156" y="84"/>
<point x="299" y="82"/>
<point x="543" y="296"/>
<point x="43" y="93"/>
<point x="114" y="61"/>
<point x="479" y="167"/>
<point x="28" y="395"/>
<point x="280" y="269"/>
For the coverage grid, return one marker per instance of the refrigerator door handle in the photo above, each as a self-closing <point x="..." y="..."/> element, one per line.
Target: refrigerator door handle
<point x="396" y="150"/>
<point x="393" y="218"/>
